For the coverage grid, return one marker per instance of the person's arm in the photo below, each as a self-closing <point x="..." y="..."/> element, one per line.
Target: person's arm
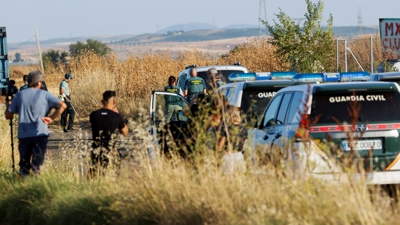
<point x="185" y="92"/>
<point x="61" y="106"/>
<point x="62" y="88"/>
<point x="204" y="87"/>
<point x="124" y="131"/>
<point x="123" y="128"/>
<point x="64" y="96"/>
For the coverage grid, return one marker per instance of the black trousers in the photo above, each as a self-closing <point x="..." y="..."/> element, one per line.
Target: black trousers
<point x="68" y="114"/>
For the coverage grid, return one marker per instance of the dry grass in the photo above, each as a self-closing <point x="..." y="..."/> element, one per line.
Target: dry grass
<point x="173" y="191"/>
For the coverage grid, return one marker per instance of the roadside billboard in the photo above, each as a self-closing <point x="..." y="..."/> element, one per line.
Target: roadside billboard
<point x="390" y="35"/>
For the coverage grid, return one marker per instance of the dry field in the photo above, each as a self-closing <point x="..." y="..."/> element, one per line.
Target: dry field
<point x="136" y="76"/>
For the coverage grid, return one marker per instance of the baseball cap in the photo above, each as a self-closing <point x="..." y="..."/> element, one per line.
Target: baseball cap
<point x="68" y="76"/>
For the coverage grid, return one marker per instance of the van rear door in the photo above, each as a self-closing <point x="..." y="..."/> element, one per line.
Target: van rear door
<point x="370" y="111"/>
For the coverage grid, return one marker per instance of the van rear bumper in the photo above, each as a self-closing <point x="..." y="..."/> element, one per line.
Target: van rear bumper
<point x="372" y="178"/>
<point x="385" y="177"/>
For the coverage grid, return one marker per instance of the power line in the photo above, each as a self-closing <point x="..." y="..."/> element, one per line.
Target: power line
<point x="23" y="43"/>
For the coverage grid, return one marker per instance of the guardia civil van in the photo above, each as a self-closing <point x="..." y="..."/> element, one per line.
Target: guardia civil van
<point x="225" y="70"/>
<point x="330" y="108"/>
<point x="251" y="92"/>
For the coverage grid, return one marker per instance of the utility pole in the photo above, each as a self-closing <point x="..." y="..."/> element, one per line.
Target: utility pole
<point x="40" y="52"/>
<point x="298" y="20"/>
<point x="360" y="26"/>
<point x="261" y="6"/>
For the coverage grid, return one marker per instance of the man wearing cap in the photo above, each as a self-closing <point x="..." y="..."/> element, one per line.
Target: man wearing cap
<point x="32" y="106"/>
<point x="65" y="95"/>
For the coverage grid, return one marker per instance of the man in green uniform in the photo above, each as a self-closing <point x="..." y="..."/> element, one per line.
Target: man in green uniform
<point x="173" y="103"/>
<point x="194" y="85"/>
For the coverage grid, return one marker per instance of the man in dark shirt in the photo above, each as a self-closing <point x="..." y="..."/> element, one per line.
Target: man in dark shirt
<point x="106" y="123"/>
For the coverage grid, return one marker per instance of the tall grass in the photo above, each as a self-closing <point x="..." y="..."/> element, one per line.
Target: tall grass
<point x="175" y="191"/>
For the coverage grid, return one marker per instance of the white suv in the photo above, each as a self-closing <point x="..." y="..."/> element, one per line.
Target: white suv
<point x="377" y="126"/>
<point x="202" y="72"/>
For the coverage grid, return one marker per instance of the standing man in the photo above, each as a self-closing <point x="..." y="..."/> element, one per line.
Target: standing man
<point x="106" y="124"/>
<point x="214" y="79"/>
<point x="194" y="85"/>
<point x="31" y="105"/>
<point x="66" y="97"/>
<point x="25" y="86"/>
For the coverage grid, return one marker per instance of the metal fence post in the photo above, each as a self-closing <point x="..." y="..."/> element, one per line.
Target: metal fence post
<point x="372" y="56"/>
<point x="345" y="56"/>
<point x="337" y="55"/>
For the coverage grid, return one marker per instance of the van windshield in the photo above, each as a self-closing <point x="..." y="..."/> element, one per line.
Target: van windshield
<point x="225" y="74"/>
<point x="374" y="107"/>
<point x="254" y="102"/>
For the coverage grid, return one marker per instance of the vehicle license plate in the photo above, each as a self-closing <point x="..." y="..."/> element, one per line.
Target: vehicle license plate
<point x="363" y="145"/>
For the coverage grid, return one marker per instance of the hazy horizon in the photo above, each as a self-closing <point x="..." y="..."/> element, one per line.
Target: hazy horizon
<point x="75" y="18"/>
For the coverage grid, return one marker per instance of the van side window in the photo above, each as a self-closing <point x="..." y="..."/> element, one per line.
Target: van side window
<point x="280" y="119"/>
<point x="294" y="107"/>
<point x="182" y="80"/>
<point x="270" y="113"/>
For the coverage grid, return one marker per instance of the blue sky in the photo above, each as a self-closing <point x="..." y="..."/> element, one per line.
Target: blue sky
<point x="76" y="18"/>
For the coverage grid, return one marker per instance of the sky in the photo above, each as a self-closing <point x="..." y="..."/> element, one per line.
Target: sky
<point x="85" y="18"/>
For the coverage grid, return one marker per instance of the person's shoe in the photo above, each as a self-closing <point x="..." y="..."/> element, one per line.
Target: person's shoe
<point x="65" y="130"/>
<point x="71" y="129"/>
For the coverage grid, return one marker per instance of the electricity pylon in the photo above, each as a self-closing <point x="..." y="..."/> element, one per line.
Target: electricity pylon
<point x="262" y="9"/>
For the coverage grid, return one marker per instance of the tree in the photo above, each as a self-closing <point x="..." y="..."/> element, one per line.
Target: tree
<point x="309" y="48"/>
<point x="91" y="45"/>
<point x="53" y="57"/>
<point x="17" y="57"/>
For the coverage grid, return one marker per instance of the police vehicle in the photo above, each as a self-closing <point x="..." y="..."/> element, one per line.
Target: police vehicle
<point x="389" y="76"/>
<point x="328" y="106"/>
<point x="252" y="92"/>
<point x="161" y="130"/>
<point x="202" y="72"/>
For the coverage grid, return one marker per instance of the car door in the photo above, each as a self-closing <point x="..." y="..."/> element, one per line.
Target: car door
<point x="161" y="129"/>
<point x="280" y="125"/>
<point x="263" y="136"/>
